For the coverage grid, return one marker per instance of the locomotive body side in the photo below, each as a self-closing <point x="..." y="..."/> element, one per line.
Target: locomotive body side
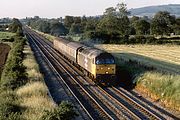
<point x="99" y="65"/>
<point x="85" y="61"/>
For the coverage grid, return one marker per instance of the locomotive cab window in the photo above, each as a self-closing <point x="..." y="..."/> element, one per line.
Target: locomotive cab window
<point x="105" y="60"/>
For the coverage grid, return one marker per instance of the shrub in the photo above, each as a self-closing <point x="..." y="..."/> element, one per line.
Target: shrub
<point x="8" y="40"/>
<point x="150" y="40"/>
<point x="64" y="111"/>
<point x="14" y="74"/>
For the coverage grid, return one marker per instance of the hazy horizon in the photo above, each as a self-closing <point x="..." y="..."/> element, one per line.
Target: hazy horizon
<point x="61" y="8"/>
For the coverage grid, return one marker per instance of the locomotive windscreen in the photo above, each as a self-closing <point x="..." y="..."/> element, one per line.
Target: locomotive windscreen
<point x="105" y="58"/>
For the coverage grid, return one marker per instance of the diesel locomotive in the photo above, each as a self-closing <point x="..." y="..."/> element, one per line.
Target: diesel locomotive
<point x="97" y="64"/>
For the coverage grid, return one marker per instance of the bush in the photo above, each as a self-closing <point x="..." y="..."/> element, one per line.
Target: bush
<point x="8" y="40"/>
<point x="64" y="111"/>
<point x="150" y="40"/>
<point x="14" y="74"/>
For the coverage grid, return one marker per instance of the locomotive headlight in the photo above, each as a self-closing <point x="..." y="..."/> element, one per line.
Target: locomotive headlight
<point x="106" y="72"/>
<point x="101" y="68"/>
<point x="108" y="68"/>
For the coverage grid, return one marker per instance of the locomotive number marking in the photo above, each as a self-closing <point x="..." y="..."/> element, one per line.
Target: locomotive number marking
<point x="85" y="64"/>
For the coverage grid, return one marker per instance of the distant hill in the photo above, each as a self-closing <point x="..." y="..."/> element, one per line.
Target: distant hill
<point x="150" y="11"/>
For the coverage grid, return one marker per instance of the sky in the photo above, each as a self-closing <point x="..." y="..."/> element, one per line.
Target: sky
<point x="61" y="8"/>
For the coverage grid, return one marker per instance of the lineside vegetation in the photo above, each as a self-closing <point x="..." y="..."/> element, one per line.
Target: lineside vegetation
<point x="6" y="35"/>
<point x="23" y="93"/>
<point x="147" y="70"/>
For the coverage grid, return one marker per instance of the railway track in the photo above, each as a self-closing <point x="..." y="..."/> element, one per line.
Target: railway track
<point x="147" y="113"/>
<point x="103" y="113"/>
<point x="115" y="108"/>
<point x="45" y="57"/>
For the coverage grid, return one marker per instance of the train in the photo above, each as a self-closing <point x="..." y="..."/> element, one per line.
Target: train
<point x="95" y="63"/>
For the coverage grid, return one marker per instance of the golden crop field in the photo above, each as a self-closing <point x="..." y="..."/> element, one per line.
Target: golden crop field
<point x="162" y="57"/>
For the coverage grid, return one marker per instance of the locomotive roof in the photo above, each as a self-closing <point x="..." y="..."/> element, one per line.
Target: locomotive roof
<point x="62" y="40"/>
<point x="92" y="52"/>
<point x="74" y="45"/>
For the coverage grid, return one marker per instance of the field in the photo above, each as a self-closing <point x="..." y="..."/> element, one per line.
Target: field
<point x="156" y="70"/>
<point x="161" y="57"/>
<point x="4" y="50"/>
<point x="6" y="35"/>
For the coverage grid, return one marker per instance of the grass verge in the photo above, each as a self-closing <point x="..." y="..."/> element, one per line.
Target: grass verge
<point x="163" y="87"/>
<point x="34" y="95"/>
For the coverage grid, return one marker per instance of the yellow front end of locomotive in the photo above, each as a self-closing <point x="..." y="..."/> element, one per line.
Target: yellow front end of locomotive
<point x="106" y="74"/>
<point x="105" y="69"/>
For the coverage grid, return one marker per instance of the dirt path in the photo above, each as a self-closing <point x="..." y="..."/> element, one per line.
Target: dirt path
<point x="4" y="50"/>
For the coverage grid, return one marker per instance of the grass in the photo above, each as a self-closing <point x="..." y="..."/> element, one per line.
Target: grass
<point x="6" y="35"/>
<point x="161" y="86"/>
<point x="34" y="95"/>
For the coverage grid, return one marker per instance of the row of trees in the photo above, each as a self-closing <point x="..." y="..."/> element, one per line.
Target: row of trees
<point x="113" y="24"/>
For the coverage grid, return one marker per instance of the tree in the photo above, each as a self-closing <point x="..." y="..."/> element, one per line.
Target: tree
<point x="43" y="26"/>
<point x="57" y="28"/>
<point x="109" y="23"/>
<point x="124" y="23"/>
<point x="83" y="23"/>
<point x="115" y="22"/>
<point x="162" y="23"/>
<point x="19" y="31"/>
<point x="77" y="20"/>
<point x="142" y="27"/>
<point x="15" y="25"/>
<point x="134" y="19"/>
<point x="75" y="29"/>
<point x="176" y="27"/>
<point x="91" y="24"/>
<point x="110" y="12"/>
<point x="122" y="10"/>
<point x="68" y="21"/>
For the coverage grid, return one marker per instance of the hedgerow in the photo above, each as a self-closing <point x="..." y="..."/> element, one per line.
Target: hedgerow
<point x="14" y="74"/>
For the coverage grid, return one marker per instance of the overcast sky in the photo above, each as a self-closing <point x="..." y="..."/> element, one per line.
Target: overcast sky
<point x="60" y="8"/>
